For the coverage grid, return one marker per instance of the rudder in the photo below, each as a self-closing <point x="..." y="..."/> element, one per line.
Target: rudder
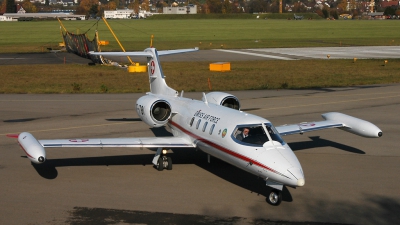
<point x="156" y="75"/>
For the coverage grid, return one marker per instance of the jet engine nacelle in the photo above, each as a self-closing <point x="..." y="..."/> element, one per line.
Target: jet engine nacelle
<point x="32" y="148"/>
<point x="153" y="111"/>
<point x="224" y="99"/>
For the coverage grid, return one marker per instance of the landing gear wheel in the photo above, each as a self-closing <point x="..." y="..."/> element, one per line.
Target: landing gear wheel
<point x="160" y="164"/>
<point x="275" y="197"/>
<point x="169" y="163"/>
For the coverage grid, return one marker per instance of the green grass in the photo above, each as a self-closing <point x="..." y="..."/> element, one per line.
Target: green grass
<point x="193" y="76"/>
<point x="37" y="36"/>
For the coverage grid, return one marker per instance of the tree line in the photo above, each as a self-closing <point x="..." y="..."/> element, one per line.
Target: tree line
<point x="97" y="7"/>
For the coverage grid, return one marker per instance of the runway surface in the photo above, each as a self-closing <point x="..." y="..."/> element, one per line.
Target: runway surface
<point x="349" y="179"/>
<point x="41" y="58"/>
<point x="218" y="55"/>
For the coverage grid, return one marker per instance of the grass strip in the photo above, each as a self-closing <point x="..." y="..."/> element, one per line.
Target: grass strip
<point x="193" y="76"/>
<point x="37" y="36"/>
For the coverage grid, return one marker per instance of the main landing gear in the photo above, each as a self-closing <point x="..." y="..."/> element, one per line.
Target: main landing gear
<point x="275" y="197"/>
<point x="164" y="162"/>
<point x="161" y="161"/>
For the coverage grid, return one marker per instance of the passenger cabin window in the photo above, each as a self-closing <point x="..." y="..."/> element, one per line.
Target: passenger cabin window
<point x="205" y="125"/>
<point x="212" y="129"/>
<point x="255" y="134"/>
<point x="191" y="121"/>
<point x="198" y="124"/>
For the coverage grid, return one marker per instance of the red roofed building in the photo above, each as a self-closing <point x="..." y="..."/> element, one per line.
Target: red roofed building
<point x="20" y="9"/>
<point x="385" y="4"/>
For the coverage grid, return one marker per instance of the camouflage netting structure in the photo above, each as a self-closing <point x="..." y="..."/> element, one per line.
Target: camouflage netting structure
<point x="80" y="45"/>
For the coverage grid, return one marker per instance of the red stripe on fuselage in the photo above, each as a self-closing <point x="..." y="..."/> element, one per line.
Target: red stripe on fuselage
<point x="225" y="150"/>
<point x="25" y="151"/>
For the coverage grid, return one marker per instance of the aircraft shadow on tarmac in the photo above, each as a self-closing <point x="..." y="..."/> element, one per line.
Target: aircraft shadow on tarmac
<point x="180" y="156"/>
<point x="217" y="167"/>
<point x="317" y="142"/>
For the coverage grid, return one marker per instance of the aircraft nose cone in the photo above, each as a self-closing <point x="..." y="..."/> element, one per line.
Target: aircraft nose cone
<point x="297" y="173"/>
<point x="301" y="182"/>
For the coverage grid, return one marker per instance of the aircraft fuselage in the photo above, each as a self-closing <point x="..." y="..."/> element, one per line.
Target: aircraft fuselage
<point x="213" y="129"/>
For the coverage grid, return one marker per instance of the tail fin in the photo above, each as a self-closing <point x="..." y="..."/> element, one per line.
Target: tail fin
<point x="156" y="75"/>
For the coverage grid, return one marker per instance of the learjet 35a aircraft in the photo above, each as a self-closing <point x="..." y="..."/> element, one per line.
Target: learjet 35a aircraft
<point x="215" y="125"/>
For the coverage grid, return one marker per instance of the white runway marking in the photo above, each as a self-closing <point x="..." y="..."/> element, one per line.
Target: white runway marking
<point x="254" y="54"/>
<point x="361" y="52"/>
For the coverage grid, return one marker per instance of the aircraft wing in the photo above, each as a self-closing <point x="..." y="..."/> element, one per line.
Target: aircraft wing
<point x="307" y="127"/>
<point x="148" y="142"/>
<point x="334" y="119"/>
<point x="34" y="149"/>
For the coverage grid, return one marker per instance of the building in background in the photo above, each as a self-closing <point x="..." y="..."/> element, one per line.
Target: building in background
<point x="126" y="14"/>
<point x="118" y="14"/>
<point x="189" y="9"/>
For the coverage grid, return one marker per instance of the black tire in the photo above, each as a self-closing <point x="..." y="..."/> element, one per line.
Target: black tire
<point x="160" y="164"/>
<point x="274" y="198"/>
<point x="169" y="160"/>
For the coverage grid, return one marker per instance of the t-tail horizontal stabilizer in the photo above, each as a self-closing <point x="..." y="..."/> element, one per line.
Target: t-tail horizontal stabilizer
<point x="145" y="52"/>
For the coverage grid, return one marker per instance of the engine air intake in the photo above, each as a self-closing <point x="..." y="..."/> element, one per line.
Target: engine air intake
<point x="160" y="111"/>
<point x="231" y="102"/>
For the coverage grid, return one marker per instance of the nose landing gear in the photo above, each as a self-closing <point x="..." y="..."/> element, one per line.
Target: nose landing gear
<point x="275" y="197"/>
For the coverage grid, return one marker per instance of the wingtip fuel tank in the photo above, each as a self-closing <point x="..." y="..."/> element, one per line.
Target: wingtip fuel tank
<point x="32" y="148"/>
<point x="354" y="125"/>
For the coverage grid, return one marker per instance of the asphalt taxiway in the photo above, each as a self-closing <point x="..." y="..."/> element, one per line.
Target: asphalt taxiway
<point x="348" y="179"/>
<point x="218" y="55"/>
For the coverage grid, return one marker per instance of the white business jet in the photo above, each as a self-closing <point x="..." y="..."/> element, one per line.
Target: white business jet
<point x="215" y="125"/>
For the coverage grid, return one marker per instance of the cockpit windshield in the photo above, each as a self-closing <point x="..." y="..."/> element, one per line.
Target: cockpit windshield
<point x="255" y="134"/>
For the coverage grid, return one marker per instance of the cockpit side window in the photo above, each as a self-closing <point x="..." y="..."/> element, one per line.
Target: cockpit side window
<point x="255" y="135"/>
<point x="274" y="133"/>
<point x="250" y="135"/>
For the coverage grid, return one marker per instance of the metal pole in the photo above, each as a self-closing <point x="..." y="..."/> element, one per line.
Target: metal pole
<point x="120" y="45"/>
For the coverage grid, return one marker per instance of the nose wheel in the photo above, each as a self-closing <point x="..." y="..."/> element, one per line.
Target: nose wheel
<point x="275" y="197"/>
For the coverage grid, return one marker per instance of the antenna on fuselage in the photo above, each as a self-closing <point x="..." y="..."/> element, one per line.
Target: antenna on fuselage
<point x="205" y="98"/>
